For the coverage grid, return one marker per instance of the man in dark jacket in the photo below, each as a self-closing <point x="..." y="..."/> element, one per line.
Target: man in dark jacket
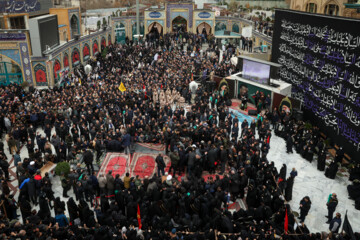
<point x="212" y="157"/>
<point x="174" y="158"/>
<point x="160" y="164"/>
<point x="224" y="158"/>
<point x="354" y="190"/>
<point x="331" y="206"/>
<point x="126" y="142"/>
<point x="88" y="160"/>
<point x="289" y="144"/>
<point x="305" y="205"/>
<point x="191" y="161"/>
<point x="110" y="182"/>
<point x="335" y="223"/>
<point x="4" y="165"/>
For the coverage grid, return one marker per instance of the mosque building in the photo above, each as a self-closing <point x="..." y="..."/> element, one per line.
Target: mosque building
<point x="31" y="51"/>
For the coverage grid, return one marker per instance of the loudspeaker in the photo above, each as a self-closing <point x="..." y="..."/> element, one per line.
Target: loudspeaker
<point x="252" y="112"/>
<point x="274" y="72"/>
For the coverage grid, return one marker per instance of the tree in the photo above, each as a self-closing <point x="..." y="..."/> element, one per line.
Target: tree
<point x="104" y="22"/>
<point x="113" y="14"/>
<point x="99" y="24"/>
<point x="62" y="168"/>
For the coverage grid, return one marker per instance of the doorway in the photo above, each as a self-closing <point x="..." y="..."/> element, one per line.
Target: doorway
<point x="179" y="24"/>
<point x="203" y="28"/>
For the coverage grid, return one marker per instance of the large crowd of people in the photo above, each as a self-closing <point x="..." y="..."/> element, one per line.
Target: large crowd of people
<point x="89" y="114"/>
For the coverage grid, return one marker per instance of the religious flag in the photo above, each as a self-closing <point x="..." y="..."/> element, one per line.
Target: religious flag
<point x="122" y="88"/>
<point x="144" y="88"/>
<point x="286" y="223"/>
<point x="138" y="216"/>
<point x="280" y="180"/>
<point x="192" y="77"/>
<point x="79" y="81"/>
<point x="347" y="228"/>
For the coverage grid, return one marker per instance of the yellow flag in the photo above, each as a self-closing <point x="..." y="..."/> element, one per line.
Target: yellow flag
<point x="122" y="87"/>
<point x="79" y="81"/>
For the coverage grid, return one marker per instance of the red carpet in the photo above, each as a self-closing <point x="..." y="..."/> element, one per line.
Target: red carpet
<point x="142" y="164"/>
<point x="117" y="162"/>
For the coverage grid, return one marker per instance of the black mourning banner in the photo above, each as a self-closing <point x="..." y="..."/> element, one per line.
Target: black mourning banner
<point x="321" y="59"/>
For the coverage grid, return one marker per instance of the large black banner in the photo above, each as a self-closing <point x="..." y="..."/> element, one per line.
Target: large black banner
<point x="321" y="58"/>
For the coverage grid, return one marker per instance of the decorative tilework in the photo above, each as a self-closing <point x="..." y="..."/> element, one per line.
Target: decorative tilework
<point x="161" y="22"/>
<point x="25" y="57"/>
<point x="190" y="8"/>
<point x="210" y="22"/>
<point x="179" y="14"/>
<point x="11" y="53"/>
<point x="40" y="74"/>
<point x="12" y="36"/>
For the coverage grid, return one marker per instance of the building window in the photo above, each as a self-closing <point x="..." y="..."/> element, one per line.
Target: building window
<point x="332" y="9"/>
<point x="311" y="7"/>
<point x="17" y="22"/>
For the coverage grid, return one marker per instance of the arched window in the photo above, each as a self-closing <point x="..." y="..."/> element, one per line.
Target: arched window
<point x="332" y="9"/>
<point x="311" y="7"/>
<point x="74" y="23"/>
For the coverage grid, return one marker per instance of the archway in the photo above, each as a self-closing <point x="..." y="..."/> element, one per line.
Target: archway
<point x="66" y="60"/>
<point x="155" y="30"/>
<point x="86" y="52"/>
<point x="10" y="71"/>
<point x="120" y="33"/>
<point x="103" y="43"/>
<point x="95" y="47"/>
<point x="57" y="68"/>
<point x="141" y="29"/>
<point x="235" y="28"/>
<point x="220" y="26"/>
<point x="74" y="23"/>
<point x="179" y="24"/>
<point x="40" y="75"/>
<point x="75" y="56"/>
<point x="203" y="28"/>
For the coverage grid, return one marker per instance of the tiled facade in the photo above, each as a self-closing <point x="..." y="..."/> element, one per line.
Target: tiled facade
<point x="46" y="71"/>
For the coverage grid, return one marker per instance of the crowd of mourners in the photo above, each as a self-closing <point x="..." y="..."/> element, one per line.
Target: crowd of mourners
<point x="89" y="115"/>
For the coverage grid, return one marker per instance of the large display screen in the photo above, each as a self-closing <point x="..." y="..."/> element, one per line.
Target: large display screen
<point x="257" y="72"/>
<point x="49" y="34"/>
<point x="320" y="57"/>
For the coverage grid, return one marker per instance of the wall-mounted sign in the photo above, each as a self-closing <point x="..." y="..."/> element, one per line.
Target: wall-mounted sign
<point x="155" y="14"/>
<point x="12" y="36"/>
<point x="204" y="15"/>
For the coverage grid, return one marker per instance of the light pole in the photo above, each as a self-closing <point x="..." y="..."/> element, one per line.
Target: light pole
<point x="137" y="20"/>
